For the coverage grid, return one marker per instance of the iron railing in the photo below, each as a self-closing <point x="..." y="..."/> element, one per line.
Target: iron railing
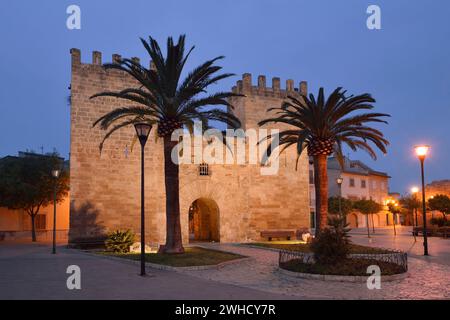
<point x="396" y="257"/>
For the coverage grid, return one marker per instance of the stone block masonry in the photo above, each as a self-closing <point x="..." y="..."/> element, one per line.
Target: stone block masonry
<point x="105" y="187"/>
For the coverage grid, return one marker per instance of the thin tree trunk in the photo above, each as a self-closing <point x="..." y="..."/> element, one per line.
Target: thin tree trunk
<point x="174" y="242"/>
<point x="373" y="224"/>
<point x="367" y="225"/>
<point x="321" y="188"/>
<point x="33" y="228"/>
<point x="395" y="230"/>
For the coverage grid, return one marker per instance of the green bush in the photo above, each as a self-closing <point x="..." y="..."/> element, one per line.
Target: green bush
<point x="440" y="222"/>
<point x="119" y="241"/>
<point x="332" y="244"/>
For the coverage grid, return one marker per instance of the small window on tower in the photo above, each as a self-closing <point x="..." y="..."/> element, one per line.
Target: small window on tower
<point x="203" y="169"/>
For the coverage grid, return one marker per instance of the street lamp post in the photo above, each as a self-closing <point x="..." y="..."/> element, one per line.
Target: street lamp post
<point x="421" y="152"/>
<point x="55" y="174"/>
<point x="142" y="131"/>
<point x="339" y="183"/>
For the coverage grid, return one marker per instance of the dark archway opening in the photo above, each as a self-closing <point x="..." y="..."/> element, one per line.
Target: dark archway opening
<point x="204" y="221"/>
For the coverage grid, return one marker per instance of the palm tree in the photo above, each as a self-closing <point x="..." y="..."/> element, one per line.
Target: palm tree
<point x="165" y="100"/>
<point x="323" y="126"/>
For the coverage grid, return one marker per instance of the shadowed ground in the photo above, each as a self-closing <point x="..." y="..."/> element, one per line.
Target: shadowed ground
<point x="29" y="271"/>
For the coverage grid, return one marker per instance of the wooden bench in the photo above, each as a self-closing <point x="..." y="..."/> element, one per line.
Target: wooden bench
<point x="278" y="234"/>
<point x="440" y="232"/>
<point x="86" y="244"/>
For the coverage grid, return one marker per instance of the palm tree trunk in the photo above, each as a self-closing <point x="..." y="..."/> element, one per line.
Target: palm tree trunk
<point x="321" y="188"/>
<point x="33" y="228"/>
<point x="174" y="242"/>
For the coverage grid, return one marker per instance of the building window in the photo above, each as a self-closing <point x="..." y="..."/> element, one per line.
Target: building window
<point x="363" y="184"/>
<point x="40" y="222"/>
<point x="352" y="182"/>
<point x="311" y="176"/>
<point x="203" y="169"/>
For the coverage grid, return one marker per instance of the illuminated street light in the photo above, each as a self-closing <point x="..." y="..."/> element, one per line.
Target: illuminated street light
<point x="55" y="175"/>
<point x="421" y="152"/>
<point x="339" y="183"/>
<point x="142" y="131"/>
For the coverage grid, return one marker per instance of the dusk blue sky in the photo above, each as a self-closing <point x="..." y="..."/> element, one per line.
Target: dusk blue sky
<point x="405" y="66"/>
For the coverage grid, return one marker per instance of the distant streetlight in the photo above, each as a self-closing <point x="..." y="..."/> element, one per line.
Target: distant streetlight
<point x="55" y="175"/>
<point x="394" y="216"/>
<point x="421" y="152"/>
<point x="339" y="183"/>
<point x="142" y="131"/>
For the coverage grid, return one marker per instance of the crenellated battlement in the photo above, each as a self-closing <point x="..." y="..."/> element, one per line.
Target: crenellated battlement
<point x="96" y="59"/>
<point x="246" y="87"/>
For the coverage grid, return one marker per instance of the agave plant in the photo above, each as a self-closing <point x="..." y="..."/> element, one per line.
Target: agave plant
<point x="165" y="100"/>
<point x="322" y="126"/>
<point x="120" y="241"/>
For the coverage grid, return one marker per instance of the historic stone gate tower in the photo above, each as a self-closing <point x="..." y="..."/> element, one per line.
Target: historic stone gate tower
<point x="105" y="186"/>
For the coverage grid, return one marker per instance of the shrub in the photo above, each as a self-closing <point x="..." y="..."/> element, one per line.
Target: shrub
<point x="120" y="241"/>
<point x="332" y="244"/>
<point x="440" y="222"/>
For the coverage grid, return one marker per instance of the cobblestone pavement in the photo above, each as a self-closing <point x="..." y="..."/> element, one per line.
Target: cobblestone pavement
<point x="438" y="248"/>
<point x="29" y="271"/>
<point x="425" y="280"/>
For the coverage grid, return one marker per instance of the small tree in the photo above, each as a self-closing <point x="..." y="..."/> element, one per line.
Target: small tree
<point x="412" y="204"/>
<point x="367" y="207"/>
<point x="345" y="206"/>
<point x="440" y="203"/>
<point x="26" y="183"/>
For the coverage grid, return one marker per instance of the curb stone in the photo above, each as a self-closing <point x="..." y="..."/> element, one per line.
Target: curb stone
<point x="170" y="268"/>
<point x="339" y="278"/>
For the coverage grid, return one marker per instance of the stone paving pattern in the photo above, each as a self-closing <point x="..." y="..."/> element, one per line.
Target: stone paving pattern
<point x="425" y="280"/>
<point x="29" y="271"/>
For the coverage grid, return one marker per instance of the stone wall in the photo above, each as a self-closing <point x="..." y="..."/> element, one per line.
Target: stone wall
<point x="105" y="187"/>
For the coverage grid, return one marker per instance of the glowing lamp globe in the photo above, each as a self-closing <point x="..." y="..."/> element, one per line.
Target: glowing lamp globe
<point x="422" y="151"/>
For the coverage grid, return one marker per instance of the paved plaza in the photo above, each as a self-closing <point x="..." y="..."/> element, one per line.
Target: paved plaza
<point x="428" y="278"/>
<point x="29" y="271"/>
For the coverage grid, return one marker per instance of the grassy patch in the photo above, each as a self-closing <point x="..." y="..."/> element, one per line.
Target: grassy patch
<point x="348" y="267"/>
<point x="302" y="247"/>
<point x="193" y="256"/>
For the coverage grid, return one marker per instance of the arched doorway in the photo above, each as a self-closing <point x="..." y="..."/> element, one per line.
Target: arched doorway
<point x="204" y="220"/>
<point x="353" y="220"/>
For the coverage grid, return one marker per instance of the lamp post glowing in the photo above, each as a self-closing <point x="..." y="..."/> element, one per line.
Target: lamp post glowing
<point x="421" y="152"/>
<point x="55" y="175"/>
<point x="339" y="183"/>
<point x="394" y="216"/>
<point x="142" y="131"/>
